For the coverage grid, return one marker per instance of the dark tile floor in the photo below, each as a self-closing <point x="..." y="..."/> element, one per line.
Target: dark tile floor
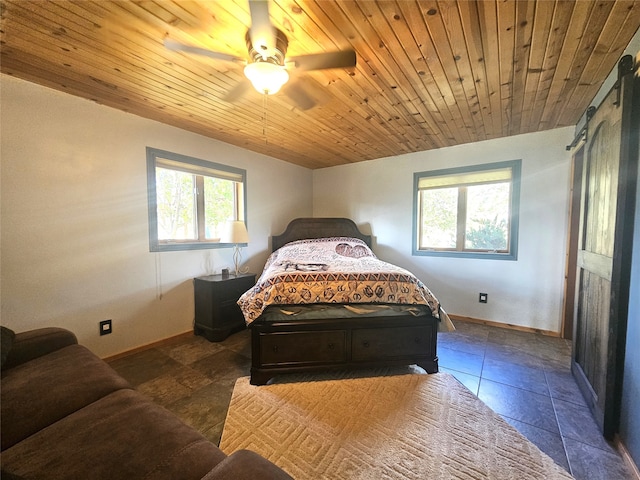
<point x="524" y="377"/>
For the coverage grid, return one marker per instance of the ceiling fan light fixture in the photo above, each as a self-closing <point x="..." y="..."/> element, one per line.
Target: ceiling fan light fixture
<point x="266" y="77"/>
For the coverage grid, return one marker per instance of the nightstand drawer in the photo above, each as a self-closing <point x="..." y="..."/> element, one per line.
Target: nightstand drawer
<point x="217" y="313"/>
<point x="232" y="289"/>
<point x="303" y="347"/>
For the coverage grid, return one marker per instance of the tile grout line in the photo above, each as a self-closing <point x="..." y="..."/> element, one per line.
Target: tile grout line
<point x="555" y="412"/>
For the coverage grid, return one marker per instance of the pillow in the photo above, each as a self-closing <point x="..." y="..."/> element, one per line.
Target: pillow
<point x="6" y="341"/>
<point x="355" y="251"/>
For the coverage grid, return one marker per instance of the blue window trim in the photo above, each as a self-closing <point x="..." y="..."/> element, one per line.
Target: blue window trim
<point x="154" y="244"/>
<point x="516" y="168"/>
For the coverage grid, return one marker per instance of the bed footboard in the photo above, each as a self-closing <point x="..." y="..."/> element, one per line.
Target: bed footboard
<point x="341" y="344"/>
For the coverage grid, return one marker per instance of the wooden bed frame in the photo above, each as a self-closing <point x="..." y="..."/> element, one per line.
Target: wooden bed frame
<point x="296" y="346"/>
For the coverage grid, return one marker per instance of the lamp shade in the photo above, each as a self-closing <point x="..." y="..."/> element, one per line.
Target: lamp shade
<point x="235" y="232"/>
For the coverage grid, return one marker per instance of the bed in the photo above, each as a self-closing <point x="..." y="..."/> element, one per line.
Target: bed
<point x="312" y="316"/>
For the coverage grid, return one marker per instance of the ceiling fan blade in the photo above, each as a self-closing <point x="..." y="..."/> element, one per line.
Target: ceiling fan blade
<point x="181" y="47"/>
<point x="238" y="91"/>
<point x="323" y="61"/>
<point x="299" y="95"/>
<point x="262" y="32"/>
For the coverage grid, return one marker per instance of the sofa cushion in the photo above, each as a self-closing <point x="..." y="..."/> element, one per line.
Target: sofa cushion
<point x="122" y="435"/>
<point x="38" y="342"/>
<point x="37" y="393"/>
<point x="6" y="342"/>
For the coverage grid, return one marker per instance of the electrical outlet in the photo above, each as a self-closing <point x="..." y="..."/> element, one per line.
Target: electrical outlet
<point x="105" y="327"/>
<point x="483" y="298"/>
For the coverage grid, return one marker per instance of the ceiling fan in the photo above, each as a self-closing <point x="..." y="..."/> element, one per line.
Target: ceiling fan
<point x="267" y="67"/>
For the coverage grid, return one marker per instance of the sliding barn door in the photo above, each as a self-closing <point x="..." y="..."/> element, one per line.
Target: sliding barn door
<point x="604" y="251"/>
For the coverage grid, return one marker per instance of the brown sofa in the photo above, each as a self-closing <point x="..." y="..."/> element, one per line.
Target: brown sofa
<point x="66" y="414"/>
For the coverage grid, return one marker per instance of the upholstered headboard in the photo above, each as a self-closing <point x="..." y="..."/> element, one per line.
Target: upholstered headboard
<point x="303" y="228"/>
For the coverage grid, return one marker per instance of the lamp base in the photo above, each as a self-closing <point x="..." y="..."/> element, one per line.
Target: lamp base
<point x="236" y="259"/>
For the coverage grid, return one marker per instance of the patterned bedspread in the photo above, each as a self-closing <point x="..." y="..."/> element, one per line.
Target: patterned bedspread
<point x="332" y="270"/>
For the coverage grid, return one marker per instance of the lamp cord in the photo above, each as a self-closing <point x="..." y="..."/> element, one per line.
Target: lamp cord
<point x="159" y="293"/>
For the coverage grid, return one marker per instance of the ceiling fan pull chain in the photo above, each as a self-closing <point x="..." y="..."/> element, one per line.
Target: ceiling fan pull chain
<point x="264" y="118"/>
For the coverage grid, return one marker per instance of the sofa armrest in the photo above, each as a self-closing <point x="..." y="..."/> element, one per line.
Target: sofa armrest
<point x="246" y="465"/>
<point x="36" y="343"/>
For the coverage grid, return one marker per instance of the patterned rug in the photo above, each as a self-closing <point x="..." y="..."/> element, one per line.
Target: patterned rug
<point x="409" y="426"/>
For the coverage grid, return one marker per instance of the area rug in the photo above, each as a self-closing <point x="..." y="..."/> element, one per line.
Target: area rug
<point x="408" y="426"/>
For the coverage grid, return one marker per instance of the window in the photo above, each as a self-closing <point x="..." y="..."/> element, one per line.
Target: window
<point x="468" y="211"/>
<point x="191" y="200"/>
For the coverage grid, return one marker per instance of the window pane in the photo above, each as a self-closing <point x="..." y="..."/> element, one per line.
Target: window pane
<point x="219" y="201"/>
<point x="190" y="199"/>
<point x="439" y="208"/>
<point x="487" y="223"/>
<point x="468" y="212"/>
<point x="176" y="205"/>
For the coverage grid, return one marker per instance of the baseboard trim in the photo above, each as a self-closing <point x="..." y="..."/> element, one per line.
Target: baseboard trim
<point x="457" y="318"/>
<point x="508" y="326"/>
<point x="626" y="456"/>
<point x="148" y="346"/>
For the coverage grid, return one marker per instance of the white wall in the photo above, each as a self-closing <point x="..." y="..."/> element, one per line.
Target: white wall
<point x="74" y="247"/>
<point x="74" y="234"/>
<point x="377" y="195"/>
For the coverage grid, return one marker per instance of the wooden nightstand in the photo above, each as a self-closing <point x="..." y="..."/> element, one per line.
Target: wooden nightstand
<point x="217" y="313"/>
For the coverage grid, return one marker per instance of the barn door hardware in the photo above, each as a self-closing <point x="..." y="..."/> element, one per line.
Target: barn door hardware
<point x="583" y="133"/>
<point x="625" y="66"/>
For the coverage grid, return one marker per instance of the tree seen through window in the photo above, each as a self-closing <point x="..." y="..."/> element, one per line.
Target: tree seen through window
<point x="469" y="210"/>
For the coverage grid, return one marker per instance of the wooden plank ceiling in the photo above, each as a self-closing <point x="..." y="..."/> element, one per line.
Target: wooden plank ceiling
<point x="430" y="74"/>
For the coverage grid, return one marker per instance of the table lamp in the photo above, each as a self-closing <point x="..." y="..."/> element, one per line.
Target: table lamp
<point x="236" y="233"/>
